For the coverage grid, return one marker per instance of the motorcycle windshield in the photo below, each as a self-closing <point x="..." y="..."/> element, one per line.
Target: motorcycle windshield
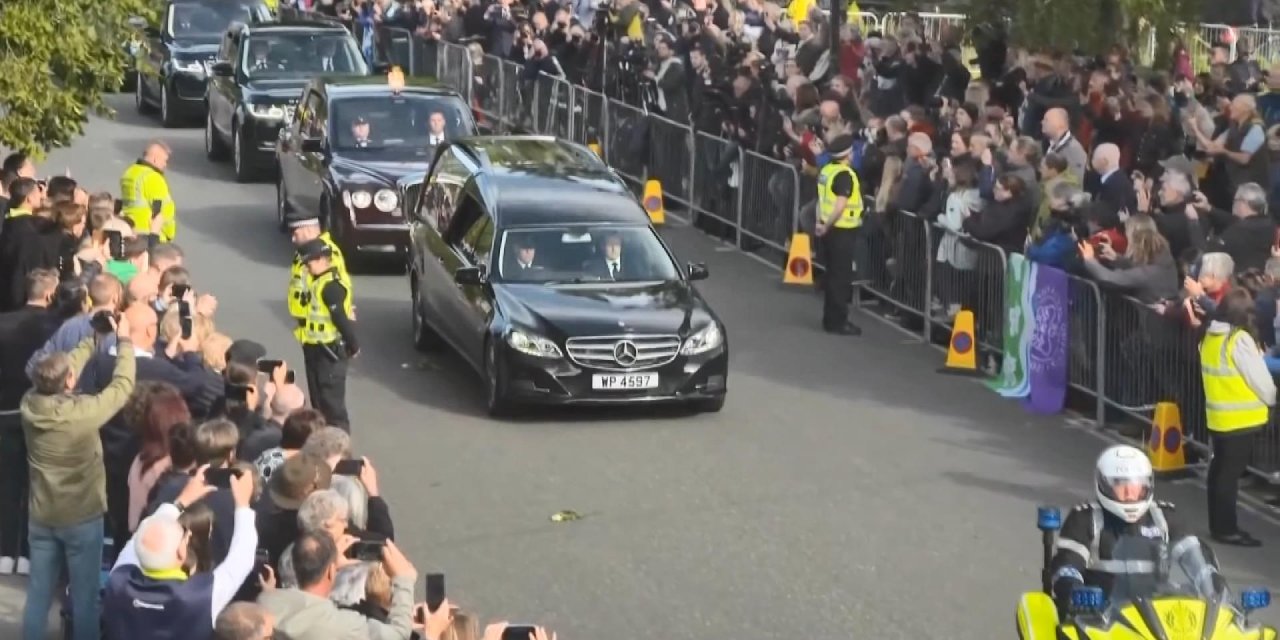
<point x="1150" y="568"/>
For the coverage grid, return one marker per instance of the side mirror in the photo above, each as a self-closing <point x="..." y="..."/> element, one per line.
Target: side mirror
<point x="698" y="271"/>
<point x="471" y="276"/>
<point x="137" y="22"/>
<point x="312" y="145"/>
<point x="223" y="69"/>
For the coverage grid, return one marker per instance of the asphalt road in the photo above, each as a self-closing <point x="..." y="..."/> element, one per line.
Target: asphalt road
<point x="846" y="489"/>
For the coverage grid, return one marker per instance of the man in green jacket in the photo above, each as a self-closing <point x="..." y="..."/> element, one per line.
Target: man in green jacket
<point x="68" y="480"/>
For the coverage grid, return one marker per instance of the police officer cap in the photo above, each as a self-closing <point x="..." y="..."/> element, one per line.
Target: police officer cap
<point x="314" y="250"/>
<point x="302" y="220"/>
<point x="842" y="145"/>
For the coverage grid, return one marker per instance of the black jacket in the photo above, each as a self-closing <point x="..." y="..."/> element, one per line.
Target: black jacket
<point x="29" y="242"/>
<point x="22" y="333"/>
<point x="1247" y="240"/>
<point x="167" y="489"/>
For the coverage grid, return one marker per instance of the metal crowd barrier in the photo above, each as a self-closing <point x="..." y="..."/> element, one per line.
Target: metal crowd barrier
<point x="1122" y="354"/>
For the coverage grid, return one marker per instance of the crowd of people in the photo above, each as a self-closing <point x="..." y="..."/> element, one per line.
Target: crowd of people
<point x="160" y="478"/>
<point x="1161" y="185"/>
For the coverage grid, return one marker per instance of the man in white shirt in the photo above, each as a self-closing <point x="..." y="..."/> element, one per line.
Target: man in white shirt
<point x="436" y="136"/>
<point x="611" y="267"/>
<point x="149" y="594"/>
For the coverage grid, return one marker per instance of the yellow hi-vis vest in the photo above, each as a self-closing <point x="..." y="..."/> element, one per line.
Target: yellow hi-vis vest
<point x="1230" y="405"/>
<point x="319" y="327"/>
<point x="851" y="217"/>
<point x="300" y="284"/>
<point x="141" y="185"/>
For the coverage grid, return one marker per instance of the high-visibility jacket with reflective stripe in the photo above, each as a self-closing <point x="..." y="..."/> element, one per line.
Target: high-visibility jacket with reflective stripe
<point x="1230" y="405"/>
<point x="851" y="217"/>
<point x="141" y="185"/>
<point x="300" y="283"/>
<point x="319" y="327"/>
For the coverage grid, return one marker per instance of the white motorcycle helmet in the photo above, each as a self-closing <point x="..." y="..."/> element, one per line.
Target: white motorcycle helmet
<point x="1125" y="483"/>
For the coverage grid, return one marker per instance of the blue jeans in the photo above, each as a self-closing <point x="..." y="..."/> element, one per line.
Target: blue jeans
<point x="78" y="548"/>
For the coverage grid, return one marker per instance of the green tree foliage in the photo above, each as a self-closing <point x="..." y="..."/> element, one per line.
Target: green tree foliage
<point x="57" y="60"/>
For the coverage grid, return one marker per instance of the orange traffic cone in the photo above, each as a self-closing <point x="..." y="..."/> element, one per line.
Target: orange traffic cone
<point x="653" y="202"/>
<point x="962" y="352"/>
<point x="799" y="263"/>
<point x="1166" y="446"/>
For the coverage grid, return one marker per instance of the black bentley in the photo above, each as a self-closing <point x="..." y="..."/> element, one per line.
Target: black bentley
<point x="533" y="260"/>
<point x="351" y="139"/>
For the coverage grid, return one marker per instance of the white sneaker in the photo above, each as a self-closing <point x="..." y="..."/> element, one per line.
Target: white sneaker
<point x="6" y="566"/>
<point x="24" y="567"/>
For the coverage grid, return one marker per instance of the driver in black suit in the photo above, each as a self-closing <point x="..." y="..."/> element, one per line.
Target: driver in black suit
<point x="523" y="265"/>
<point x="610" y="265"/>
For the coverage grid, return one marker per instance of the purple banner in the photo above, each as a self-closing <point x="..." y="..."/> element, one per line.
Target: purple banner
<point x="1047" y="367"/>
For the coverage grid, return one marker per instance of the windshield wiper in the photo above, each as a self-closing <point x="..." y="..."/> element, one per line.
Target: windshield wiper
<point x="570" y="281"/>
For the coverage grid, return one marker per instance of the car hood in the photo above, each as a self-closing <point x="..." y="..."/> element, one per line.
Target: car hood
<point x="561" y="311"/>
<point x="196" y="49"/>
<point x="379" y="171"/>
<point x="279" y="88"/>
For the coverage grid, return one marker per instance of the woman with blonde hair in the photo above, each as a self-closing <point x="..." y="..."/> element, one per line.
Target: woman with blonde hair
<point x="213" y="351"/>
<point x="1147" y="270"/>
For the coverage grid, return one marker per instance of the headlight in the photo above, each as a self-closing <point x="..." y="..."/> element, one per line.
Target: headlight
<point x="385" y="200"/>
<point x="703" y="341"/>
<point x="533" y="345"/>
<point x="266" y="110"/>
<point x="358" y="199"/>
<point x="190" y="66"/>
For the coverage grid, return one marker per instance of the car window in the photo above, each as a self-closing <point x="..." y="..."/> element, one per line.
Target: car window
<point x="477" y="244"/>
<point x="307" y="114"/>
<point x="291" y="54"/>
<point x="584" y="253"/>
<point x="205" y="20"/>
<point x="441" y="191"/>
<point x="466" y="215"/>
<point x="403" y="124"/>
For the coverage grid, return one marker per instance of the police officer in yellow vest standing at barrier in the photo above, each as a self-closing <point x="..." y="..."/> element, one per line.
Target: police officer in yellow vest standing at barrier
<point x="329" y="335"/>
<point x="145" y="193"/>
<point x="303" y="229"/>
<point x="1238" y="390"/>
<point x="839" y="226"/>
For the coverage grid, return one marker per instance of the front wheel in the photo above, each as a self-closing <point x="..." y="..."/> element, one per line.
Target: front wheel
<point x="167" y="117"/>
<point x="497" y="402"/>
<point x="282" y="205"/>
<point x="238" y="160"/>
<point x="424" y="337"/>
<point x="139" y="94"/>
<point x="214" y="149"/>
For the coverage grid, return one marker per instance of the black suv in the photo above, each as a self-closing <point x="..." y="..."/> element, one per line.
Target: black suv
<point x="171" y="66"/>
<point x="533" y="260"/>
<point x="258" y="80"/>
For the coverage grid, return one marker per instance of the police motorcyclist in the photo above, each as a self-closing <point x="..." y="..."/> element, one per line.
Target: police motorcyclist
<point x="1125" y="507"/>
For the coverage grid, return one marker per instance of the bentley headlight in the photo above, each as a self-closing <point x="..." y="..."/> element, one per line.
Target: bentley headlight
<point x="385" y="200"/>
<point x="190" y="66"/>
<point x="703" y="341"/>
<point x="266" y="110"/>
<point x="360" y="199"/>
<point x="533" y="345"/>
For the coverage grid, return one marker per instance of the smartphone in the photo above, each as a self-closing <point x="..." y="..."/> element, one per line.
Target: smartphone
<point x="288" y="377"/>
<point x="102" y="322"/>
<point x="119" y="206"/>
<point x="518" y="632"/>
<point x="220" y="477"/>
<point x="269" y="366"/>
<point x="115" y="244"/>
<point x="261" y="559"/>
<point x="350" y="467"/>
<point x="368" y="550"/>
<point x="156" y="207"/>
<point x="184" y="320"/>
<point x="237" y="392"/>
<point x="435" y="591"/>
<point x="179" y="291"/>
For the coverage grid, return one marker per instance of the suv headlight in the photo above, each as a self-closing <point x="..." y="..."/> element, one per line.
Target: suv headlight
<point x="533" y="345"/>
<point x="357" y="199"/>
<point x="704" y="340"/>
<point x="266" y="110"/>
<point x="190" y="66"/>
<point x="385" y="200"/>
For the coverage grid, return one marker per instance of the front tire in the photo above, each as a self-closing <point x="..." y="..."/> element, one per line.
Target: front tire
<point x="237" y="156"/>
<point x="167" y="117"/>
<point x="496" y="400"/>
<point x="282" y="205"/>
<point x="213" y="147"/>
<point x="425" y="339"/>
<point x="139" y="95"/>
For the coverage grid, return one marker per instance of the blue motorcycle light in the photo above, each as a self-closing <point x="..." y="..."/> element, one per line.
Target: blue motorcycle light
<point x="1255" y="598"/>
<point x="1087" y="599"/>
<point x="1048" y="518"/>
